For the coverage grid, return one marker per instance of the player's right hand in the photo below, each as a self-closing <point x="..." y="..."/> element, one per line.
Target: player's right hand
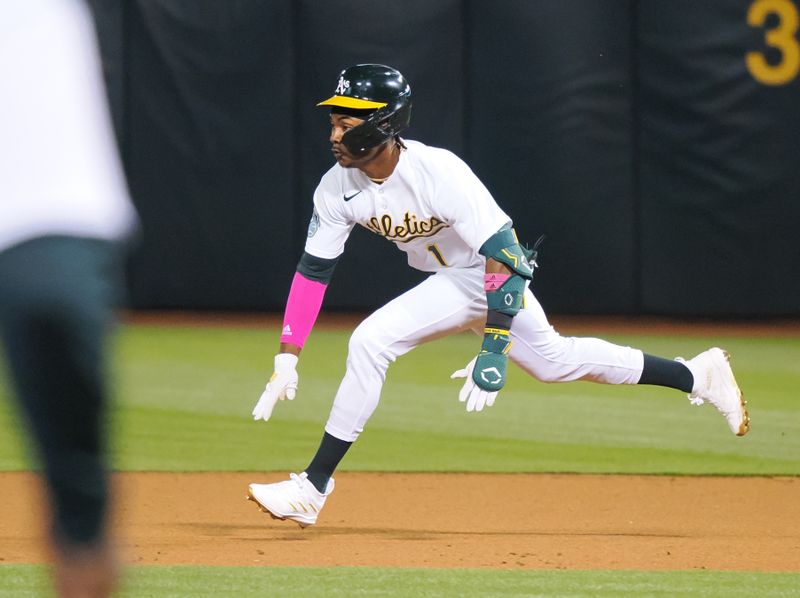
<point x="282" y="385"/>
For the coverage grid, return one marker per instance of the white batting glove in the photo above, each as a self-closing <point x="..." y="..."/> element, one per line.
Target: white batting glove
<point x="475" y="397"/>
<point x="282" y="385"/>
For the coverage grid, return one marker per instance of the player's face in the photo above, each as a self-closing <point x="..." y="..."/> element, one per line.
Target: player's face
<point x="340" y="124"/>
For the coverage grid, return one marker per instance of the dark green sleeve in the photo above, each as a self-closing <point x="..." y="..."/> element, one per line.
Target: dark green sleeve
<point x="316" y="268"/>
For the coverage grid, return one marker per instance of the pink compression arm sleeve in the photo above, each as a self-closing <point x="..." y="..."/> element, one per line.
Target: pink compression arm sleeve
<point x="302" y="309"/>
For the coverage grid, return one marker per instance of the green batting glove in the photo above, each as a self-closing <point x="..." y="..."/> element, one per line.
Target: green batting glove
<point x="489" y="372"/>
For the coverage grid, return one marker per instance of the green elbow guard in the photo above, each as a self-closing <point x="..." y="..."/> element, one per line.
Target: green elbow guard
<point x="504" y="247"/>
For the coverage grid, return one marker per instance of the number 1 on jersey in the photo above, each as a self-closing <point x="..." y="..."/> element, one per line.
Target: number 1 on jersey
<point x="437" y="254"/>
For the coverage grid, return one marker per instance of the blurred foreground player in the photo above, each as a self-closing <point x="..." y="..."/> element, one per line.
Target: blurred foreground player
<point x="64" y="211"/>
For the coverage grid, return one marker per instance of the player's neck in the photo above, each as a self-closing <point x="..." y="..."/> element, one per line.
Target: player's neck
<point x="381" y="167"/>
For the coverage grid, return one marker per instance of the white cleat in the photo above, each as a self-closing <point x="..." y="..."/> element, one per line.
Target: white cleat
<point x="294" y="499"/>
<point x="714" y="383"/>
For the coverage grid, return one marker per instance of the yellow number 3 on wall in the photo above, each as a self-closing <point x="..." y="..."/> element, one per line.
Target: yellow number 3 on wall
<point x="783" y="38"/>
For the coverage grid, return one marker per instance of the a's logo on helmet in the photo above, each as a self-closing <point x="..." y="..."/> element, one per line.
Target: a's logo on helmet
<point x="343" y="85"/>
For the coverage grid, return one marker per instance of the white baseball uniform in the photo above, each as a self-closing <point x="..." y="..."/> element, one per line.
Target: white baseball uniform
<point x="435" y="209"/>
<point x="60" y="172"/>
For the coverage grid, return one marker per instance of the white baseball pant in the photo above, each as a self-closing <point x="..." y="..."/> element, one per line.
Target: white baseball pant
<point x="452" y="301"/>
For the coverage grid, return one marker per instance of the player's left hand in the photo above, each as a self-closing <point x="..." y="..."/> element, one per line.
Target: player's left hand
<point x="476" y="397"/>
<point x="486" y="374"/>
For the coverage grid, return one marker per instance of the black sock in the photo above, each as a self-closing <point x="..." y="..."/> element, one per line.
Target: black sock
<point x="666" y="372"/>
<point x="330" y="452"/>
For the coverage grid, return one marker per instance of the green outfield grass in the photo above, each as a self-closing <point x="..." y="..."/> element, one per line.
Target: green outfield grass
<point x="30" y="581"/>
<point x="185" y="396"/>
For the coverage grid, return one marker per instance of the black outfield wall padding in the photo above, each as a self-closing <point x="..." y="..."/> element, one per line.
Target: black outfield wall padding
<point x="550" y="133"/>
<point x="654" y="143"/>
<point x="209" y="140"/>
<point x="719" y="160"/>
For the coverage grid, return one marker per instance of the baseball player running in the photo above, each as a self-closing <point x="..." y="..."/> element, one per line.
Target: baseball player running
<point x="430" y="204"/>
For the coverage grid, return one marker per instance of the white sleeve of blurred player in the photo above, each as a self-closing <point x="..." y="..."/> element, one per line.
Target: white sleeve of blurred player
<point x="60" y="171"/>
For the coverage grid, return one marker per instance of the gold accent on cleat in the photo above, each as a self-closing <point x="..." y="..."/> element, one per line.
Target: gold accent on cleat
<point x="744" y="427"/>
<point x="263" y="509"/>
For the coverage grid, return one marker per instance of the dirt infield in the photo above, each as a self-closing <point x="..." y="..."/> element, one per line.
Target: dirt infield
<point x="516" y="521"/>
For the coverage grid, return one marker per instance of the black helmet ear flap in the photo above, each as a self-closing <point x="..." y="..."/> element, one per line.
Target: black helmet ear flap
<point x="382" y="94"/>
<point x="383" y="124"/>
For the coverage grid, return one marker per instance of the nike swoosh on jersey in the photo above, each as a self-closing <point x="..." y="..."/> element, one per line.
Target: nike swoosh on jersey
<point x="349" y="197"/>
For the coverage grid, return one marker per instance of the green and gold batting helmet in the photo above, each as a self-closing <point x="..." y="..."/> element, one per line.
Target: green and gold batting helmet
<point x="377" y="93"/>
